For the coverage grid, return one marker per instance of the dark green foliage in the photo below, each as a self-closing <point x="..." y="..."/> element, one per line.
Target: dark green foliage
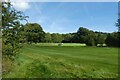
<point x="48" y="38"/>
<point x="10" y="39"/>
<point x="101" y="39"/>
<point x="22" y="35"/>
<point x="34" y="33"/>
<point x="10" y="30"/>
<point x="113" y="39"/>
<point x="53" y="38"/>
<point x="56" y="37"/>
<point x="86" y="36"/>
<point x="82" y="34"/>
<point x="67" y="38"/>
<point x="90" y="41"/>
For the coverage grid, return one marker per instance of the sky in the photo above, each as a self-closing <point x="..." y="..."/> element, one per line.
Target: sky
<point x="67" y="17"/>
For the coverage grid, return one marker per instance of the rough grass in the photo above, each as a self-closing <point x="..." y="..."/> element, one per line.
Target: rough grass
<point x="38" y="61"/>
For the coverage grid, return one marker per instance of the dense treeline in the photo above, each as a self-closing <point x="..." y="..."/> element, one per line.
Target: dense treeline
<point x="113" y="39"/>
<point x="34" y="33"/>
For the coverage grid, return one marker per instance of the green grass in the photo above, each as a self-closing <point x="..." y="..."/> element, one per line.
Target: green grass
<point x="56" y="44"/>
<point x="65" y="61"/>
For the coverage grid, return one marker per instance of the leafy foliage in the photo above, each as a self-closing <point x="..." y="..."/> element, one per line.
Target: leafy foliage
<point x="56" y="37"/>
<point x="48" y="38"/>
<point x="10" y="30"/>
<point x="101" y="39"/>
<point x="34" y="33"/>
<point x="86" y="36"/>
<point x="67" y="38"/>
<point x="113" y="39"/>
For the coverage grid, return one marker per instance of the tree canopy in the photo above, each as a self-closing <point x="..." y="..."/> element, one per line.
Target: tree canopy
<point x="34" y="32"/>
<point x="10" y="29"/>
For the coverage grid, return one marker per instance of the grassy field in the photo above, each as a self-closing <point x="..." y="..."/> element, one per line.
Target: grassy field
<point x="56" y="44"/>
<point x="67" y="61"/>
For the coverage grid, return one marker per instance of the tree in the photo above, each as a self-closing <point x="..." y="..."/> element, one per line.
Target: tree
<point x="113" y="39"/>
<point x="56" y="38"/>
<point x="91" y="39"/>
<point x="86" y="36"/>
<point x="48" y="38"/>
<point x="34" y="32"/>
<point x="100" y="39"/>
<point x="67" y="38"/>
<point x="82" y="34"/>
<point x="10" y="34"/>
<point x="75" y="38"/>
<point x="10" y="30"/>
<point x="22" y="35"/>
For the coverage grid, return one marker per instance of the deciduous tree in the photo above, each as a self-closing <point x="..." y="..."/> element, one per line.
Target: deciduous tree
<point x="34" y="32"/>
<point x="10" y="29"/>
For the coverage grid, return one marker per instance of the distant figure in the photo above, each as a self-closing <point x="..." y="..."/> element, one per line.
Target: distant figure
<point x="60" y="44"/>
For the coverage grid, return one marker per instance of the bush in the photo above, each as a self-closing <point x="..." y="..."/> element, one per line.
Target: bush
<point x="112" y="40"/>
<point x="90" y="42"/>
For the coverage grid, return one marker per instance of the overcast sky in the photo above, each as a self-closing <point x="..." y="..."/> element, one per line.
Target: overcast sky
<point x="66" y="17"/>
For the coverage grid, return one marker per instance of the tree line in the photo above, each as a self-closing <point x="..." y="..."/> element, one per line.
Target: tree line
<point x="33" y="33"/>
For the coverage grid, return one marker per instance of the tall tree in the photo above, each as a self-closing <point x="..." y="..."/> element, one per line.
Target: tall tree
<point x="81" y="34"/>
<point x="91" y="39"/>
<point x="67" y="38"/>
<point x="113" y="39"/>
<point x="34" y="32"/>
<point x="86" y="36"/>
<point x="56" y="38"/>
<point x="48" y="37"/>
<point x="100" y="39"/>
<point x="10" y="29"/>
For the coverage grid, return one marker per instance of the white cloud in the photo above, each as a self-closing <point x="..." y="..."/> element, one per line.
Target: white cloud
<point x="20" y="5"/>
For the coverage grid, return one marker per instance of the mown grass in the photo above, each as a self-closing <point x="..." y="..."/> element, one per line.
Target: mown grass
<point x="56" y="44"/>
<point x="36" y="61"/>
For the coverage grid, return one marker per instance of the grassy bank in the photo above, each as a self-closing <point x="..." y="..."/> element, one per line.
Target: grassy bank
<point x="65" y="61"/>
